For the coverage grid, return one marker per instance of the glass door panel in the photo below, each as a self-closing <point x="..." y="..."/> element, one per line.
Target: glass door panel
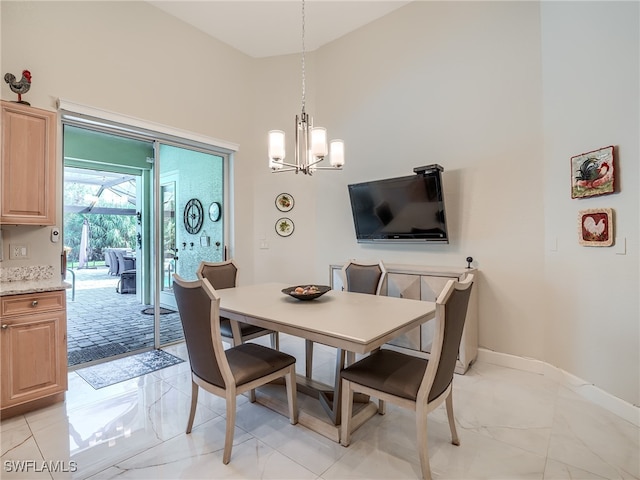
<point x="191" y="216"/>
<point x="169" y="252"/>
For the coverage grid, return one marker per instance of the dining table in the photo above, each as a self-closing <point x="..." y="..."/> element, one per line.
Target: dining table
<point x="353" y="323"/>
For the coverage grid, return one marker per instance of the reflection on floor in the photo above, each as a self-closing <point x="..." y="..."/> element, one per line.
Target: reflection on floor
<point x="512" y="425"/>
<point x="102" y="323"/>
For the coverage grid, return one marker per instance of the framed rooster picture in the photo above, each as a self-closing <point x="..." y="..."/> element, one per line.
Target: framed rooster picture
<point x="595" y="227"/>
<point x="592" y="173"/>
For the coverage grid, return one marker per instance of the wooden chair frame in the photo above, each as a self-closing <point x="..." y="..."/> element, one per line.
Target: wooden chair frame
<point x="231" y="390"/>
<point x="421" y="406"/>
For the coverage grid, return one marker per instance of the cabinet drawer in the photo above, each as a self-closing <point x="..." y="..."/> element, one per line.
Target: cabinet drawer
<point x="33" y="303"/>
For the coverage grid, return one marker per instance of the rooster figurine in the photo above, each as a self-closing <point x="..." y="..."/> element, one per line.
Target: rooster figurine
<point x="20" y="87"/>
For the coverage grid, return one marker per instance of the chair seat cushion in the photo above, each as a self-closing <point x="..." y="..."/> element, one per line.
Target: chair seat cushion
<point x="245" y="328"/>
<point x="390" y="372"/>
<point x="250" y="361"/>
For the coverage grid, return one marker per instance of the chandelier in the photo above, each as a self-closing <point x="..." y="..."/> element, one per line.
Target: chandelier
<point x="310" y="142"/>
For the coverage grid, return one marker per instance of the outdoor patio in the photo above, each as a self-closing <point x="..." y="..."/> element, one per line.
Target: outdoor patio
<point x="102" y="323"/>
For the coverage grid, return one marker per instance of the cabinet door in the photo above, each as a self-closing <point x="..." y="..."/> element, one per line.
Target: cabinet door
<point x="430" y="288"/>
<point x="34" y="357"/>
<point x="405" y="286"/>
<point x="28" y="165"/>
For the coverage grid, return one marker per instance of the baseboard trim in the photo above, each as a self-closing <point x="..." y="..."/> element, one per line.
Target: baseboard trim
<point x="615" y="405"/>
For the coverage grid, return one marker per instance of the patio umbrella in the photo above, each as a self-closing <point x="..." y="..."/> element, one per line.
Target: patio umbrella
<point x="84" y="245"/>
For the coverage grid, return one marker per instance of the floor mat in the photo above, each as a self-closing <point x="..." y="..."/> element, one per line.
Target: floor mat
<point x="96" y="352"/>
<point x="163" y="311"/>
<point x="116" y="371"/>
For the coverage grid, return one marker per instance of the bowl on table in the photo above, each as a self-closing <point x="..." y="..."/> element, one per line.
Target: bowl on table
<point x="306" y="292"/>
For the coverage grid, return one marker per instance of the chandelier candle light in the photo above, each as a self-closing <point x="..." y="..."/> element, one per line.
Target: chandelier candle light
<point x="310" y="142"/>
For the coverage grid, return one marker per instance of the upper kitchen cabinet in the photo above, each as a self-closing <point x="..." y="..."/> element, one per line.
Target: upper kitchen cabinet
<point x="28" y="165"/>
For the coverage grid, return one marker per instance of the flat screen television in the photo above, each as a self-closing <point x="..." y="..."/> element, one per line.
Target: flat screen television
<point x="403" y="209"/>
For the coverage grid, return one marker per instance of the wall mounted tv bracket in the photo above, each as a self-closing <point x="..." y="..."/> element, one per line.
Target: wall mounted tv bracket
<point x="428" y="169"/>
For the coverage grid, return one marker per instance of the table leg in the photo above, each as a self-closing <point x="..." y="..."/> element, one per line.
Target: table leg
<point x="331" y="401"/>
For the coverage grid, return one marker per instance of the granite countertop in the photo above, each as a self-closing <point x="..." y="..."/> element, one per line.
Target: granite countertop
<point x="30" y="279"/>
<point x="32" y="286"/>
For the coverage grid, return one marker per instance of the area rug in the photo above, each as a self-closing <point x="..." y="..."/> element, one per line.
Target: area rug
<point x="163" y="311"/>
<point x="96" y="352"/>
<point x="116" y="371"/>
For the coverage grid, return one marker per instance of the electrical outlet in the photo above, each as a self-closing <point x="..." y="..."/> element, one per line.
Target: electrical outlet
<point x="18" y="252"/>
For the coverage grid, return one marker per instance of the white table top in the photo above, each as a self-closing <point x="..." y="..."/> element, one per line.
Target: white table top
<point x="353" y="321"/>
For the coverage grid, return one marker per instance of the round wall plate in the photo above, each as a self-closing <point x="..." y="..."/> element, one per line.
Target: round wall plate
<point x="284" y="227"/>
<point x="284" y="202"/>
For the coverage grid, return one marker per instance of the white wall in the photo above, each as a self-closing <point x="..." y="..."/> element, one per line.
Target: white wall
<point x="488" y="90"/>
<point x="133" y="59"/>
<point x="591" y="100"/>
<point x="455" y="84"/>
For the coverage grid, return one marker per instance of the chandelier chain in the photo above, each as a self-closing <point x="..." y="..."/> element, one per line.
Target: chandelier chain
<point x="304" y="96"/>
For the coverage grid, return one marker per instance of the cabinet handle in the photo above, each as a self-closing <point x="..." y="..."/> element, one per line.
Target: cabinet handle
<point x="5" y="326"/>
<point x="34" y="303"/>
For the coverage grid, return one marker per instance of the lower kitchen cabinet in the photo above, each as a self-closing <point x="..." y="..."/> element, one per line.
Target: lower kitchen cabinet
<point x="34" y="351"/>
<point x="425" y="283"/>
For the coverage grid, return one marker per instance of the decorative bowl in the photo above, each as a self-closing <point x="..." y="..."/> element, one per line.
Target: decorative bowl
<point x="312" y="291"/>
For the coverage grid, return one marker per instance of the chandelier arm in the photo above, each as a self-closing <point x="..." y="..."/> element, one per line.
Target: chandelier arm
<point x="280" y="170"/>
<point x="285" y="164"/>
<point x="311" y="164"/>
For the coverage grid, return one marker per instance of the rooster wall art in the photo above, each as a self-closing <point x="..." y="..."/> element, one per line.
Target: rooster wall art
<point x="595" y="227"/>
<point x="592" y="173"/>
<point x="20" y="87"/>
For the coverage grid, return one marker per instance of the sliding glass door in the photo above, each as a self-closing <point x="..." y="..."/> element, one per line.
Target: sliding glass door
<point x="172" y="217"/>
<point x="191" y="221"/>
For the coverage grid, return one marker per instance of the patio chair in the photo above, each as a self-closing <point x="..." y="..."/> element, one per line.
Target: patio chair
<point x="411" y="382"/>
<point x="231" y="372"/>
<point x="113" y="262"/>
<point x="124" y="264"/>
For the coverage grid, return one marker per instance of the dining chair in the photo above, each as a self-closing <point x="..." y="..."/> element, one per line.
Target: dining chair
<point x="361" y="277"/>
<point x="357" y="277"/>
<point x="412" y="382"/>
<point x="225" y="373"/>
<point x="225" y="275"/>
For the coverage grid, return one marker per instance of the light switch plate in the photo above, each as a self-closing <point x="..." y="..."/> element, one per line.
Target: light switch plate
<point x="621" y="246"/>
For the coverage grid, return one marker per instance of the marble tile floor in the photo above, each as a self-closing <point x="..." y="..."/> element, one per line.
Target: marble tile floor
<point x="512" y="425"/>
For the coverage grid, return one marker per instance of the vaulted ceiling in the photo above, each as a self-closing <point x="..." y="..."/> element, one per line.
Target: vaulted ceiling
<point x="268" y="28"/>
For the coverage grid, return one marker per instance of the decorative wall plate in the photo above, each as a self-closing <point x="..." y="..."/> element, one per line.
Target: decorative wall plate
<point x="193" y="216"/>
<point x="592" y="173"/>
<point x="595" y="227"/>
<point x="284" y="227"/>
<point x="284" y="202"/>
